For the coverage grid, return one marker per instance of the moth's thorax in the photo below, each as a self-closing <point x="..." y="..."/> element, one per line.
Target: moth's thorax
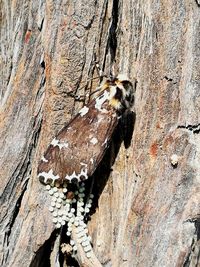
<point x="121" y="92"/>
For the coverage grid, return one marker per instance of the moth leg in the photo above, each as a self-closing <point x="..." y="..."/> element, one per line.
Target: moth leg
<point x="76" y="97"/>
<point x="100" y="72"/>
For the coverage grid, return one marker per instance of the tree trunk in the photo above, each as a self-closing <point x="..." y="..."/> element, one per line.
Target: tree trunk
<point x="148" y="213"/>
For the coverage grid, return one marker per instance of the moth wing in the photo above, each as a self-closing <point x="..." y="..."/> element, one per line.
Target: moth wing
<point x="79" y="147"/>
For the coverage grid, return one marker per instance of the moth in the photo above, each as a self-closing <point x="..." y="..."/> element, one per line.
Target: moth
<point x="76" y="151"/>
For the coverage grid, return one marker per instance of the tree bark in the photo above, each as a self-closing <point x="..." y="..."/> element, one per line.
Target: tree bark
<point x="148" y="213"/>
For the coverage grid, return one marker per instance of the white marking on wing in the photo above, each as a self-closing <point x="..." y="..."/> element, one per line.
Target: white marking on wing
<point x="44" y="159"/>
<point x="100" y="100"/>
<point x="83" y="111"/>
<point x="48" y="175"/>
<point x="94" y="141"/>
<point x="83" y="164"/>
<point x="56" y="142"/>
<point x="83" y="173"/>
<point x="78" y="176"/>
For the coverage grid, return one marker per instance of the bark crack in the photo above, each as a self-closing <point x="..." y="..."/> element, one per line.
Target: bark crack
<point x="112" y="36"/>
<point x="193" y="257"/>
<point x="10" y="72"/>
<point x="16" y="211"/>
<point x="198" y="2"/>
<point x="111" y="46"/>
<point x="193" y="128"/>
<point x="41" y="25"/>
<point x="45" y="249"/>
<point x="22" y="170"/>
<point x="169" y="79"/>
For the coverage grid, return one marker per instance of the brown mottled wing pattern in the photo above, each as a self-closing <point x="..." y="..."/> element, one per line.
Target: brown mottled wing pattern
<point x="76" y="151"/>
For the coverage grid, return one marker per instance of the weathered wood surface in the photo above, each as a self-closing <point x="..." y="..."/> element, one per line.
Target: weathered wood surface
<point x="149" y="211"/>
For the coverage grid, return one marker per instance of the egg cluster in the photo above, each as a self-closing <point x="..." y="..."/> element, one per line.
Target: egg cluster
<point x="72" y="212"/>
